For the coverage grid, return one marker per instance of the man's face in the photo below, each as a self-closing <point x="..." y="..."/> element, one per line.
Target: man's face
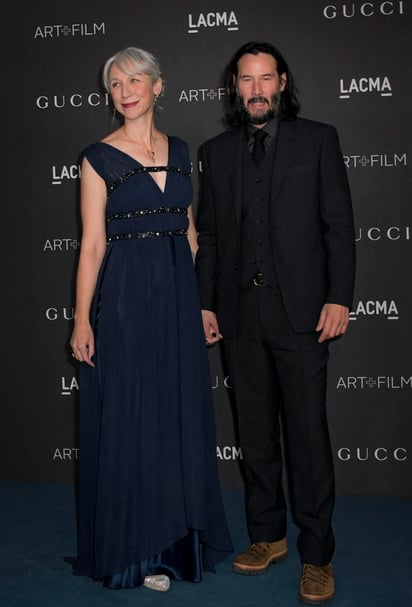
<point x="259" y="86"/>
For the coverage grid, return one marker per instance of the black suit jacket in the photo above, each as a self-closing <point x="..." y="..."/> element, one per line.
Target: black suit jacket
<point x="310" y="225"/>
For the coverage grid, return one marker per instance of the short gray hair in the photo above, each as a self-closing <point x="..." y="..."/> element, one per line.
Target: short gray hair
<point x="132" y="60"/>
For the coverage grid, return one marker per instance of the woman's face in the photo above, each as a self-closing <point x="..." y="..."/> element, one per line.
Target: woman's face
<point x="133" y="96"/>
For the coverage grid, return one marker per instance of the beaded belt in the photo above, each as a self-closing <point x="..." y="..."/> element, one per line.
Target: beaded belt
<point x="160" y="233"/>
<point x="143" y="212"/>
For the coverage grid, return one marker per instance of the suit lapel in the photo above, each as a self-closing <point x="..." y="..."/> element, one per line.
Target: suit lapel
<point x="233" y="159"/>
<point x="232" y="156"/>
<point x="284" y="152"/>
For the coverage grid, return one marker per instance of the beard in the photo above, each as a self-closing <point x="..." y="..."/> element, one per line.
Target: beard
<point x="260" y="117"/>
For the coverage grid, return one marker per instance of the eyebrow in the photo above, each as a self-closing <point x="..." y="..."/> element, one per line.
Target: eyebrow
<point x="128" y="74"/>
<point x="260" y="75"/>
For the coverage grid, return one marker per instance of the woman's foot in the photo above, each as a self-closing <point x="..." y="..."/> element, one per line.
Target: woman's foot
<point x="160" y="583"/>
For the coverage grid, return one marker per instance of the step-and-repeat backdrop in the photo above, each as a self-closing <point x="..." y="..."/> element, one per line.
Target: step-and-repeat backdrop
<point x="351" y="61"/>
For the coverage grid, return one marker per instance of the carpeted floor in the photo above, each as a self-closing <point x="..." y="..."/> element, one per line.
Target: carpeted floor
<point x="373" y="560"/>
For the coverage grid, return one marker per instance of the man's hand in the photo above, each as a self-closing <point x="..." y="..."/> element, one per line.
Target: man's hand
<point x="211" y="327"/>
<point x="333" y="321"/>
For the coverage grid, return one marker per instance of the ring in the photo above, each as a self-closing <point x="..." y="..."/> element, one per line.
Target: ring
<point x="74" y="355"/>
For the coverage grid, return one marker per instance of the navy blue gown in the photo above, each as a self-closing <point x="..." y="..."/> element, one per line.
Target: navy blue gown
<point x="149" y="499"/>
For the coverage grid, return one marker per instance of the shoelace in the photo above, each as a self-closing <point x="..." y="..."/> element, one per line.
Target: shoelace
<point x="258" y="549"/>
<point x="314" y="574"/>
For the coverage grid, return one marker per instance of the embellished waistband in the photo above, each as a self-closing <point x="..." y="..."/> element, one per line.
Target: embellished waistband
<point x="143" y="212"/>
<point x="157" y="234"/>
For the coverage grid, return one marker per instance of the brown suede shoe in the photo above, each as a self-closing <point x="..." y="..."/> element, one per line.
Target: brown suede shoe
<point x="316" y="584"/>
<point x="257" y="558"/>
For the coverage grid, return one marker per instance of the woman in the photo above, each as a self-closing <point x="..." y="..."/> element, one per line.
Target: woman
<point x="150" y="506"/>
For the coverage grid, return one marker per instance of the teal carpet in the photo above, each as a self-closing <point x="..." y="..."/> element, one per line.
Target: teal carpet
<point x="373" y="561"/>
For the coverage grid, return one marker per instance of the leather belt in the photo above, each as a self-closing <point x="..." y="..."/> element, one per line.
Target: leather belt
<point x="259" y="280"/>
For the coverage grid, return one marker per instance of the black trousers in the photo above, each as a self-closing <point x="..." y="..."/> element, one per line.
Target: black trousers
<point x="279" y="383"/>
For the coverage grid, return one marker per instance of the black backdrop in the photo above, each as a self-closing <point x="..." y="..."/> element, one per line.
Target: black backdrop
<point x="351" y="61"/>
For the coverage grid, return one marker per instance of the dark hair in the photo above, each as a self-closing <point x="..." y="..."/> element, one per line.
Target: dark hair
<point x="289" y="106"/>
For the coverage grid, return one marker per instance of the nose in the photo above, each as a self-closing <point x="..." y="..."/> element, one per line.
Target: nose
<point x="125" y="91"/>
<point x="257" y="89"/>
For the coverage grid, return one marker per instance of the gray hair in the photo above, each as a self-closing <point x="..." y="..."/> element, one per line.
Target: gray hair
<point x="131" y="61"/>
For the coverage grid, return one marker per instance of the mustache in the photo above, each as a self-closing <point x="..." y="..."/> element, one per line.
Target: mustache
<point x="258" y="99"/>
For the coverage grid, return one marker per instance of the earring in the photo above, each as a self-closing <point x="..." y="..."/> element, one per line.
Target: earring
<point x="114" y="115"/>
<point x="156" y="97"/>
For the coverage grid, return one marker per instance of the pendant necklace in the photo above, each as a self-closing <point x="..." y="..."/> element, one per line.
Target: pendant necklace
<point x="150" y="151"/>
<point x="152" y="156"/>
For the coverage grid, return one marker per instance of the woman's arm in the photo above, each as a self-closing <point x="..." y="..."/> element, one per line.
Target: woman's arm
<point x="92" y="249"/>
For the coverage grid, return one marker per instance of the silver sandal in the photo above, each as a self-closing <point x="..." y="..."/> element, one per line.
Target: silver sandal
<point x="161" y="583"/>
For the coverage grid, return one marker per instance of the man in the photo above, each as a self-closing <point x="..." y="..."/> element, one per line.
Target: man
<point x="276" y="265"/>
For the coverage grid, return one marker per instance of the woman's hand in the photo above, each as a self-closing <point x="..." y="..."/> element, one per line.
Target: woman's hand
<point x="82" y="343"/>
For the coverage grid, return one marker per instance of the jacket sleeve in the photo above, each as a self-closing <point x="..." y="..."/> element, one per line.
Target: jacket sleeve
<point x="337" y="217"/>
<point x="206" y="227"/>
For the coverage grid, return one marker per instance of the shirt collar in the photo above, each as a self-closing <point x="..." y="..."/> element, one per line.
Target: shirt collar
<point x="270" y="128"/>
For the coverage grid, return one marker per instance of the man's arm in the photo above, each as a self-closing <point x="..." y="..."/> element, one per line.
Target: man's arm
<point x="337" y="217"/>
<point x="206" y="227"/>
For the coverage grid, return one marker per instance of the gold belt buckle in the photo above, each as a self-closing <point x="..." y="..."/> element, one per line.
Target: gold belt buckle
<point x="259" y="280"/>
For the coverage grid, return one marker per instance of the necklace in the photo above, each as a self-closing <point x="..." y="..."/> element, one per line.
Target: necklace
<point x="151" y="154"/>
